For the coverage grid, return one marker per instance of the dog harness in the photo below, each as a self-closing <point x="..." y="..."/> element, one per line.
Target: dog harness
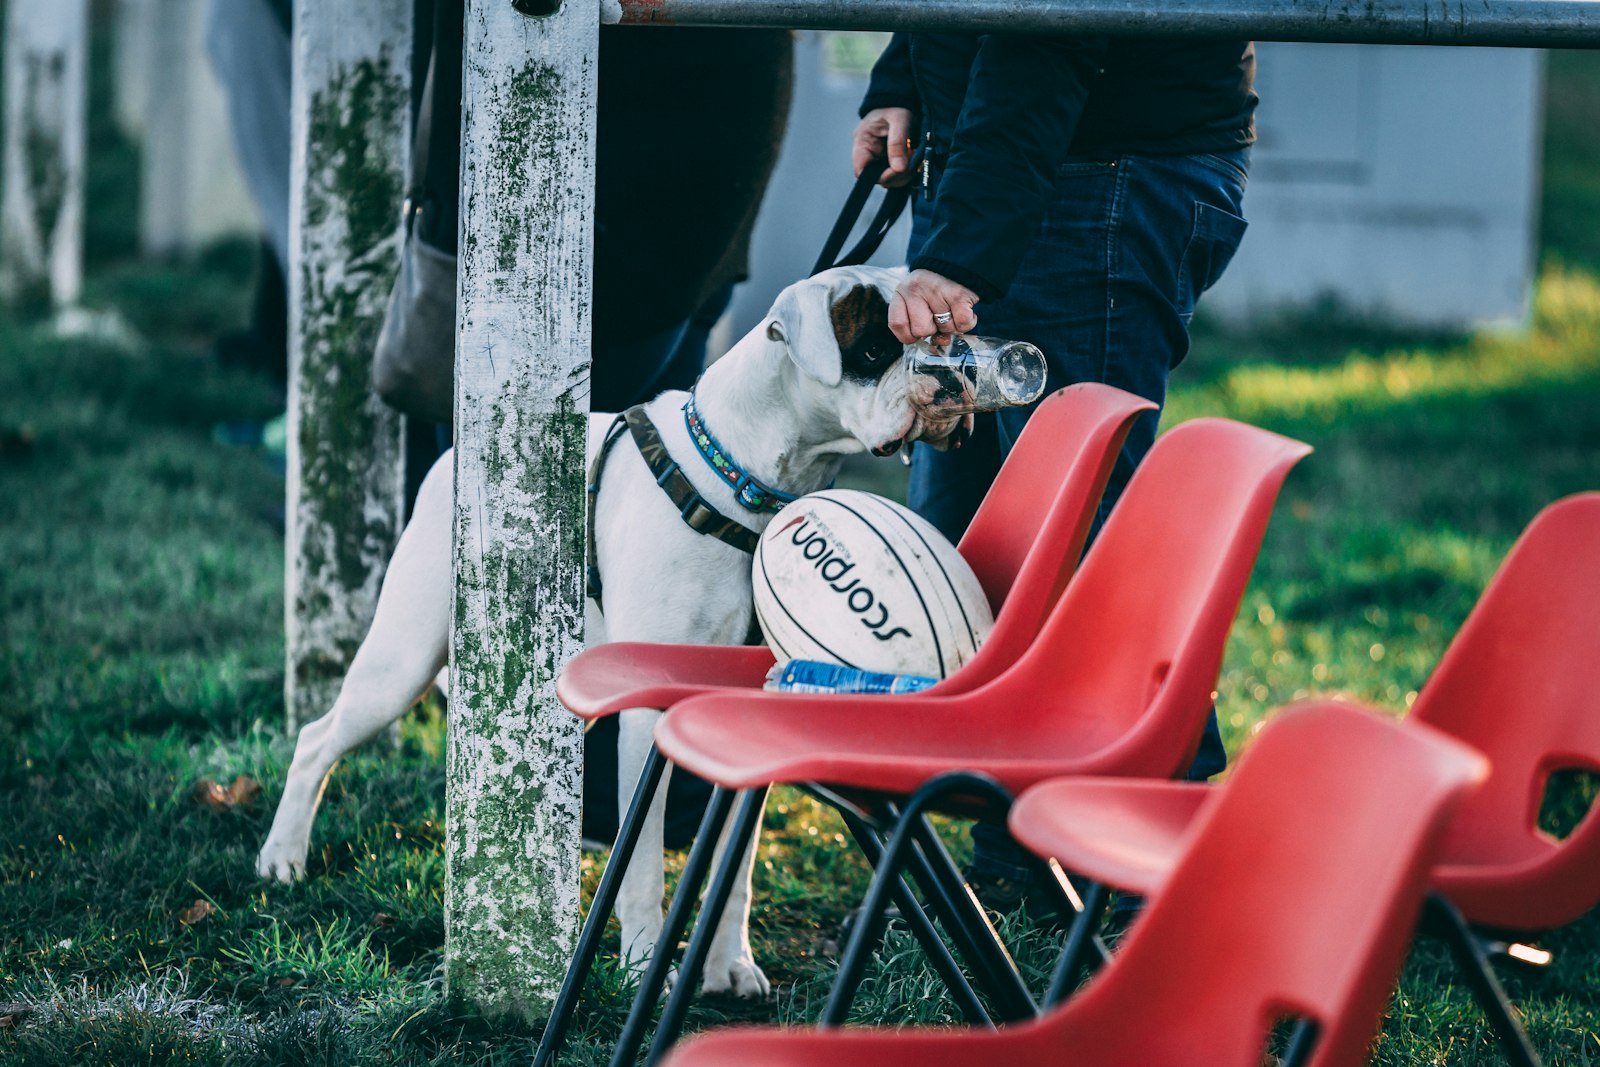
<point x="696" y="512"/>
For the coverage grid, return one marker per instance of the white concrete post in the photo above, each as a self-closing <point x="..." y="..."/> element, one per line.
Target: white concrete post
<point x="46" y="101"/>
<point x="351" y="119"/>
<point x="514" y="775"/>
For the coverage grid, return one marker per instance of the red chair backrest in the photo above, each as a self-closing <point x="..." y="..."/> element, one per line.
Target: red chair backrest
<point x="1296" y="894"/>
<point x="1141" y="627"/>
<point x="1515" y="683"/>
<point x="1027" y="537"/>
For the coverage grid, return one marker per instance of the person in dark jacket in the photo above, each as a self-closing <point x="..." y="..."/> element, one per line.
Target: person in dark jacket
<point x="1077" y="193"/>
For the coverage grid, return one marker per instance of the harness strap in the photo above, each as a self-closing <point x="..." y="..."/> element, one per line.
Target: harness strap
<point x="597" y="466"/>
<point x="693" y="508"/>
<point x="696" y="512"/>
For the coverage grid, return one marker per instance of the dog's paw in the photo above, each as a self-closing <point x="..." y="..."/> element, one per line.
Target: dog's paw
<point x="742" y="978"/>
<point x="281" y="862"/>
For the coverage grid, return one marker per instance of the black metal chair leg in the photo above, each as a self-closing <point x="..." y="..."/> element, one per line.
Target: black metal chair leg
<point x="1446" y="922"/>
<point x="741" y="838"/>
<point x="683" y="902"/>
<point x="868" y="930"/>
<point x="1079" y="938"/>
<point x="922" y="927"/>
<point x="1302" y="1043"/>
<point x="605" y="899"/>
<point x="956" y="908"/>
<point x="1001" y="977"/>
<point x="1069" y="904"/>
<point x="952" y="907"/>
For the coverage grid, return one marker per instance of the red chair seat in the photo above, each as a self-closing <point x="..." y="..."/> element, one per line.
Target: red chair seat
<point x="892" y="747"/>
<point x="1126" y="833"/>
<point x="605" y="679"/>
<point x="1532" y="886"/>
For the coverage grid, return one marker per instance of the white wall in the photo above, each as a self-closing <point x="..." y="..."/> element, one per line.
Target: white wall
<point x="1403" y="181"/>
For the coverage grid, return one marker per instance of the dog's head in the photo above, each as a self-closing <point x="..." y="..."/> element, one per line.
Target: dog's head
<point x="835" y="328"/>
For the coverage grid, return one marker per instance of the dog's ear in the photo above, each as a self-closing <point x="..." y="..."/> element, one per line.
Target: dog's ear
<point x="802" y="320"/>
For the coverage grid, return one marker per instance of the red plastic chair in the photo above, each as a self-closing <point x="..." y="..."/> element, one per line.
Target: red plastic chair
<point x="1514" y="683"/>
<point x="1256" y="922"/>
<point x="1118" y="682"/>
<point x="1024" y="544"/>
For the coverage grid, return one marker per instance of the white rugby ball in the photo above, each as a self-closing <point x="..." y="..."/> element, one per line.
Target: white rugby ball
<point x="848" y="577"/>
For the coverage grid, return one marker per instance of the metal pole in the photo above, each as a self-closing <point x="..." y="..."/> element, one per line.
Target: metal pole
<point x="351" y="139"/>
<point x="1508" y="23"/>
<point x="514" y="771"/>
<point x="45" y="121"/>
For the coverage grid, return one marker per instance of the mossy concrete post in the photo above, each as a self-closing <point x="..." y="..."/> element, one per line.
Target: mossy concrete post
<point x="514" y="774"/>
<point x="46" y="109"/>
<point x="351" y="139"/>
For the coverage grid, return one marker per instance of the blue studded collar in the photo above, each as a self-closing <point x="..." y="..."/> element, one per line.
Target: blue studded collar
<point x="751" y="494"/>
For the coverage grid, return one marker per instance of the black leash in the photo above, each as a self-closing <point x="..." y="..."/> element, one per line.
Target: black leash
<point x="894" y="202"/>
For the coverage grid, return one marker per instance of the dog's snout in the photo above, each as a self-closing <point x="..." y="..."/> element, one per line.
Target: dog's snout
<point x="888" y="448"/>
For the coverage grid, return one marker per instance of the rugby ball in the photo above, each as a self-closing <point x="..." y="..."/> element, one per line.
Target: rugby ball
<point x="848" y="577"/>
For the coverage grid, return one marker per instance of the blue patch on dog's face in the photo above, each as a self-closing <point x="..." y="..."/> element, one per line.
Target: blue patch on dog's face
<point x="867" y="350"/>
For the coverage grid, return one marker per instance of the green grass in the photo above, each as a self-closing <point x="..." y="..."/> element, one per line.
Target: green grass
<point x="141" y="653"/>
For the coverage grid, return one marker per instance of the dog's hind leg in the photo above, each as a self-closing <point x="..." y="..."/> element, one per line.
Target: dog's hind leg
<point x="403" y="651"/>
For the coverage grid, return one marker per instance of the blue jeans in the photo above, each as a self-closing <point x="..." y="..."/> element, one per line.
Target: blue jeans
<point x="1106" y="290"/>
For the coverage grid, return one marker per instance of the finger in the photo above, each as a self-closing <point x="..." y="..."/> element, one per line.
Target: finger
<point x="863" y="149"/>
<point x="899" y="321"/>
<point x="898" y="141"/>
<point x="920" y="316"/>
<point x="962" y="318"/>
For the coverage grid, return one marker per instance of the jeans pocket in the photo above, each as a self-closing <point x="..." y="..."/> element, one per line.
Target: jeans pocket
<point x="1212" y="243"/>
<point x="1231" y="165"/>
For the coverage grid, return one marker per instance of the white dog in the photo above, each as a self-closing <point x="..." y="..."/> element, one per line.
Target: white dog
<point x="820" y="378"/>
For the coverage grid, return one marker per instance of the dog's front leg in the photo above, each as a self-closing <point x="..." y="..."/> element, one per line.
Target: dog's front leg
<point x="730" y="965"/>
<point x="396" y="662"/>
<point x="639" y="897"/>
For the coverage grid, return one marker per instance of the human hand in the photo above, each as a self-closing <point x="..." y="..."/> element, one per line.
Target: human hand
<point x="884" y="132"/>
<point x="922" y="299"/>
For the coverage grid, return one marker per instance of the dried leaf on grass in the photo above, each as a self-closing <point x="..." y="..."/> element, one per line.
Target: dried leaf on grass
<point x="198" y="912"/>
<point x="241" y="793"/>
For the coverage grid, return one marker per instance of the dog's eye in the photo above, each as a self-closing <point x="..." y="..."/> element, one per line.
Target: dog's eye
<point x="877" y="355"/>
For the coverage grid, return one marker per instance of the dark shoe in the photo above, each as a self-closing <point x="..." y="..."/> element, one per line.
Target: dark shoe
<point x="1005" y="896"/>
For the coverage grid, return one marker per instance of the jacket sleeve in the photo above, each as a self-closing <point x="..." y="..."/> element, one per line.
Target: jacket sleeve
<point x="1024" y="98"/>
<point x="891" y="84"/>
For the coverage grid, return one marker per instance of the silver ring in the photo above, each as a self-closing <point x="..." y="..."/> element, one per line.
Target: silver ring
<point x="943" y="318"/>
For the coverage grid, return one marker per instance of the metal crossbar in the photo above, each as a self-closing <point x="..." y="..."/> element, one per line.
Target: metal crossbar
<point x="1501" y="23"/>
